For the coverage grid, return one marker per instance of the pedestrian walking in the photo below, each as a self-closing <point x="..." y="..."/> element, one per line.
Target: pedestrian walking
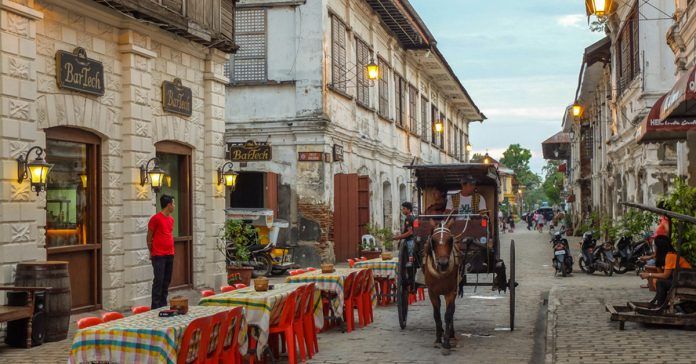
<point x="160" y="243"/>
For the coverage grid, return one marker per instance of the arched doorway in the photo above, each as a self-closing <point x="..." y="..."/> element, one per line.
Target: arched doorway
<point x="73" y="210"/>
<point x="175" y="159"/>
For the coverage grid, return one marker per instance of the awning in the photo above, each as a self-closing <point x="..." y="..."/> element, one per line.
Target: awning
<point x="673" y="114"/>
<point x="557" y="147"/>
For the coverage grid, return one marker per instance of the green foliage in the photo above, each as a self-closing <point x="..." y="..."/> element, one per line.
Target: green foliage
<point x="517" y="159"/>
<point x="683" y="200"/>
<point x="384" y="237"/>
<point x="592" y="223"/>
<point x="477" y="158"/>
<point x="235" y="242"/>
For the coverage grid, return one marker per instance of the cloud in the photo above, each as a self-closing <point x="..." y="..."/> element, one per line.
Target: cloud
<point x="571" y="20"/>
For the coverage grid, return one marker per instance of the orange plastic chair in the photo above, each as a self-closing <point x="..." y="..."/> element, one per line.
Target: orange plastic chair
<point x="110" y="316"/>
<point x="194" y="343"/>
<point x="227" y="288"/>
<point x="88" y="322"/>
<point x="348" y="301"/>
<point x="310" y="328"/>
<point x="230" y="347"/>
<point x="207" y="293"/>
<point x="284" y="326"/>
<point x="219" y="326"/>
<point x="240" y="285"/>
<point x="139" y="309"/>
<point x="351" y="262"/>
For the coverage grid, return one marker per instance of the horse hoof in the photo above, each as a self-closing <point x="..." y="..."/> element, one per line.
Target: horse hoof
<point x="437" y="345"/>
<point x="445" y="352"/>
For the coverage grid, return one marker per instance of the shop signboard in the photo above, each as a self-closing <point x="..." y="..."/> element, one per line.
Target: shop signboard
<point x="176" y="98"/>
<point x="76" y="72"/>
<point x="310" y="156"/>
<point x="338" y="153"/>
<point x="250" y="150"/>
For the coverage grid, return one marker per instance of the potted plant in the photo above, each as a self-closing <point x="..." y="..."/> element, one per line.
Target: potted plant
<point x="236" y="238"/>
<point x="384" y="242"/>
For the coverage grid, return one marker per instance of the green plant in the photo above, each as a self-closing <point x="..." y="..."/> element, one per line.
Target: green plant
<point x="384" y="237"/>
<point x="236" y="238"/>
<point x="635" y="223"/>
<point x="683" y="200"/>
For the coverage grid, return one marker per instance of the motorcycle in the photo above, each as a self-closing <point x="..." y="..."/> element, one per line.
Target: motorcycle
<point x="595" y="257"/>
<point x="266" y="260"/>
<point x="628" y="253"/>
<point x="562" y="260"/>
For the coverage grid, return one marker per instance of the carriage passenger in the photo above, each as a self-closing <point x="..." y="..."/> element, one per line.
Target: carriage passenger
<point x="468" y="200"/>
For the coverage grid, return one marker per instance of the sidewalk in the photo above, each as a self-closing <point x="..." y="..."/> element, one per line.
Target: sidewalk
<point x="579" y="330"/>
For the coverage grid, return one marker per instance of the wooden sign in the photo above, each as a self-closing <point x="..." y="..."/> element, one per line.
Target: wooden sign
<point x="176" y="98"/>
<point x="249" y="151"/>
<point x="338" y="153"/>
<point x="310" y="156"/>
<point x="76" y="72"/>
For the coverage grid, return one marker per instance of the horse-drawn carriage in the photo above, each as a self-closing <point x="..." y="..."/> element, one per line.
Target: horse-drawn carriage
<point x="452" y="242"/>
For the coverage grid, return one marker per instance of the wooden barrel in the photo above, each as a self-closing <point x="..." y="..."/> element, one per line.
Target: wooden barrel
<point x="52" y="274"/>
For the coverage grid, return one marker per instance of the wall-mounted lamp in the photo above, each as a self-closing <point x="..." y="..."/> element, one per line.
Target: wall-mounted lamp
<point x="572" y="135"/>
<point x="155" y="175"/>
<point x="372" y="70"/>
<point x="600" y="8"/>
<point x="577" y="110"/>
<point x="469" y="148"/>
<point x="227" y="176"/>
<point x="439" y="126"/>
<point x="36" y="170"/>
<point x="83" y="180"/>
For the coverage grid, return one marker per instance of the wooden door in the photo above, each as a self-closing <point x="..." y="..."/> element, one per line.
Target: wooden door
<point x="363" y="204"/>
<point x="175" y="159"/>
<point x="346" y="230"/>
<point x="73" y="211"/>
<point x="270" y="193"/>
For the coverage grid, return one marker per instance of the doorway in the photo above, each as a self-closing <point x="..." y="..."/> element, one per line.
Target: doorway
<point x="73" y="211"/>
<point x="351" y="213"/>
<point x="255" y="190"/>
<point x="175" y="159"/>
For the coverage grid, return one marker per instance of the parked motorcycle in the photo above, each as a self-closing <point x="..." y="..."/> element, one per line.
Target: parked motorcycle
<point x="628" y="253"/>
<point x="562" y="260"/>
<point x="266" y="259"/>
<point x="595" y="257"/>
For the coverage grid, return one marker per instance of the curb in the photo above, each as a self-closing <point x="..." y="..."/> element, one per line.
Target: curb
<point x="551" y="316"/>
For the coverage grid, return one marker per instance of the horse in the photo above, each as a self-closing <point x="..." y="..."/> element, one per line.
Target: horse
<point x="442" y="275"/>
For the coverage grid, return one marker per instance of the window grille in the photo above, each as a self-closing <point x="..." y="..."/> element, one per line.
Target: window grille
<point x="383" y="88"/>
<point x="412" y="105"/>
<point x="398" y="100"/>
<point x="363" y="54"/>
<point x="339" y="68"/>
<point x="628" y="51"/>
<point x="249" y="64"/>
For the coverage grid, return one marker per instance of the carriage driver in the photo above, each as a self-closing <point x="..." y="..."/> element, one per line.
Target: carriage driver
<point x="468" y="200"/>
<point x="407" y="230"/>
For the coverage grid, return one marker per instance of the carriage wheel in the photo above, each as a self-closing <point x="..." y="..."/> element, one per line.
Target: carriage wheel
<point x="402" y="289"/>
<point x="511" y="284"/>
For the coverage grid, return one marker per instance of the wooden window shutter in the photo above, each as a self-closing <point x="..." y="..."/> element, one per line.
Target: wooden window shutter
<point x="338" y="54"/>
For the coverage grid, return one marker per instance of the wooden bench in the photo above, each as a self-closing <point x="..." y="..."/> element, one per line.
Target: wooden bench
<point x="12" y="313"/>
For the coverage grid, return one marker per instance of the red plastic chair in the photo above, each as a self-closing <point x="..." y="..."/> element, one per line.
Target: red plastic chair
<point x="240" y="286"/>
<point x="310" y="269"/>
<point x="139" y="309"/>
<point x="207" y="293"/>
<point x="367" y="297"/>
<point x="88" y="322"/>
<point x="227" y="288"/>
<point x="194" y="343"/>
<point x="310" y="328"/>
<point x="230" y="347"/>
<point x="348" y="285"/>
<point x="351" y="262"/>
<point x="297" y="271"/>
<point x="219" y="326"/>
<point x="362" y="259"/>
<point x="357" y="297"/>
<point x="421" y="294"/>
<point x="110" y="316"/>
<point x="298" y="320"/>
<point x="284" y="327"/>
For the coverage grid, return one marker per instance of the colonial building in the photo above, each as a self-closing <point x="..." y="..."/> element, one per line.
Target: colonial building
<point x="102" y="87"/>
<point x="339" y="140"/>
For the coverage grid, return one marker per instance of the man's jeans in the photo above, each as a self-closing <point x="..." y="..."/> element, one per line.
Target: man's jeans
<point x="588" y="257"/>
<point x="162" y="269"/>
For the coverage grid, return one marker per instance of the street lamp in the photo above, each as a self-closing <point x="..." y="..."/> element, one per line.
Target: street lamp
<point x="577" y="110"/>
<point x="600" y="8"/>
<point x="469" y="148"/>
<point x="36" y="170"/>
<point x="372" y="69"/>
<point x="227" y="176"/>
<point x="486" y="159"/>
<point x="439" y="126"/>
<point x="155" y="175"/>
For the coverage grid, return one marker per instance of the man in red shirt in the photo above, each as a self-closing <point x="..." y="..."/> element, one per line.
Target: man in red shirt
<point x="160" y="243"/>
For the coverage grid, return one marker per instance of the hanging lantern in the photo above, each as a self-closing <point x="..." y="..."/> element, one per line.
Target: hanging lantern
<point x="577" y="110"/>
<point x="154" y="176"/>
<point x="36" y="170"/>
<point x="372" y="69"/>
<point x="599" y="8"/>
<point x="83" y="179"/>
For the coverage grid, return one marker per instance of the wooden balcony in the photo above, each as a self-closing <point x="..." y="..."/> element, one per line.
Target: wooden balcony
<point x="209" y="22"/>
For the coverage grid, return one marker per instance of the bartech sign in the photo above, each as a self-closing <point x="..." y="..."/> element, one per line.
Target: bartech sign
<point x="76" y="72"/>
<point x="176" y="98"/>
<point x="249" y="151"/>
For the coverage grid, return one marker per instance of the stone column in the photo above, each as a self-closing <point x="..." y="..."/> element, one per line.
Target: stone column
<point x="691" y="160"/>
<point x="22" y="217"/>
<point x="137" y="149"/>
<point x="214" y="83"/>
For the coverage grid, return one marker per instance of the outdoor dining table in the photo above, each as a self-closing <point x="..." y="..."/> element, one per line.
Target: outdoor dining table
<point x="384" y="272"/>
<point x="331" y="282"/>
<point x="262" y="309"/>
<point x="141" y="338"/>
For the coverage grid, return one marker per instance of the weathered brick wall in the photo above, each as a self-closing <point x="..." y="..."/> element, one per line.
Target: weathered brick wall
<point x="322" y="216"/>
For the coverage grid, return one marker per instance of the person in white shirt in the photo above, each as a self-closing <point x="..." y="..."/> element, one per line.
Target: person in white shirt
<point x="468" y="201"/>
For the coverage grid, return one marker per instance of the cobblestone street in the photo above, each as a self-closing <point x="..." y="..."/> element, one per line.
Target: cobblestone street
<point x="579" y="328"/>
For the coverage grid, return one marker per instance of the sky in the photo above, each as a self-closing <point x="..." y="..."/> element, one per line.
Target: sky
<point x="518" y="59"/>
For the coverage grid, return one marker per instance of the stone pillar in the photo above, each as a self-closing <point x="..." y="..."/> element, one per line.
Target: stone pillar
<point x="22" y="217"/>
<point x="691" y="160"/>
<point x="214" y="81"/>
<point x="137" y="149"/>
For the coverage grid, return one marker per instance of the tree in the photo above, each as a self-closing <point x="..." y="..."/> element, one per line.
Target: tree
<point x="517" y="159"/>
<point x="553" y="182"/>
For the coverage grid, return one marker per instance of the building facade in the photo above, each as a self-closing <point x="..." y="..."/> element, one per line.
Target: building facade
<point x="339" y="140"/>
<point x="102" y="89"/>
